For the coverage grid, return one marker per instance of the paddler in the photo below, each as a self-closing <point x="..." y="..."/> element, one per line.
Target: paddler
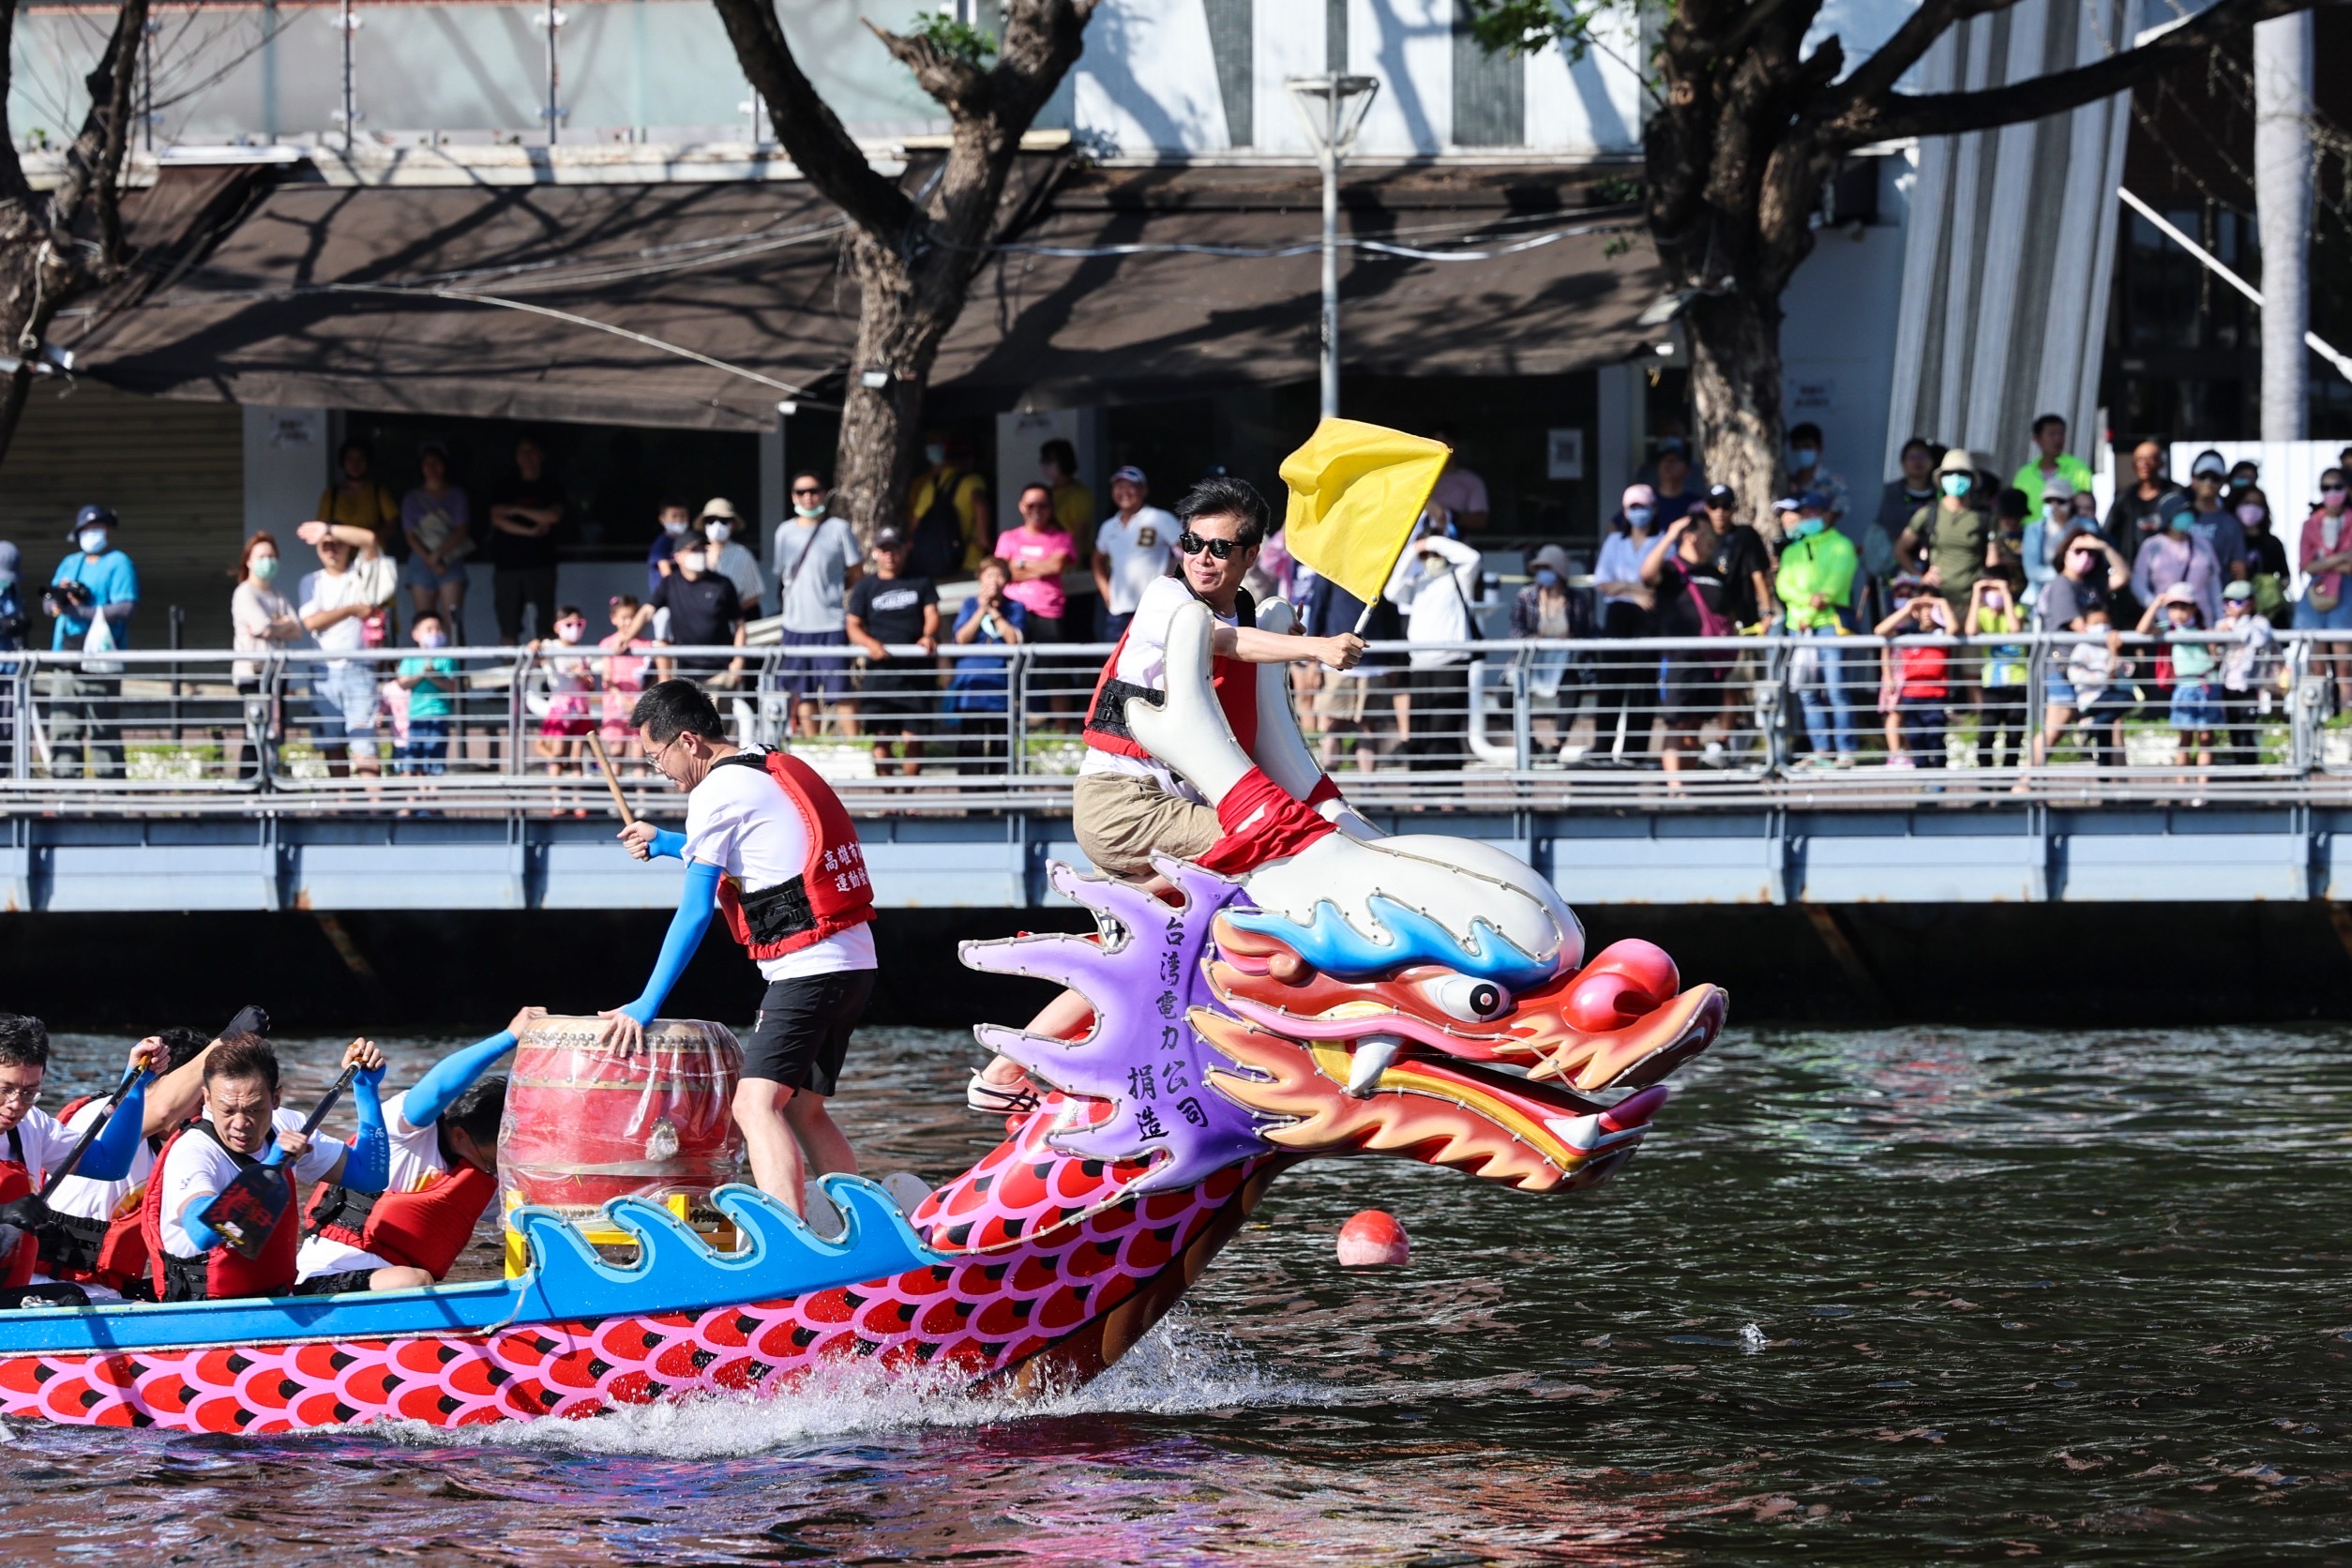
<point x="192" y="1260"/>
<point x="1127" y="805"/>
<point x="768" y="842"/>
<point x="35" y="1144"/>
<point x="441" y="1173"/>
<point x="93" y="1239"/>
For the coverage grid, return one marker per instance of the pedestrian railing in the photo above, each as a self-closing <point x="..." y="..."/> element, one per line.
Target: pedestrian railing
<point x="1491" y="725"/>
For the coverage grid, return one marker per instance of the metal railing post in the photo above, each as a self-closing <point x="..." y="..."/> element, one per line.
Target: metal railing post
<point x="1522" y="721"/>
<point x="515" y="766"/>
<point x="1017" y="714"/>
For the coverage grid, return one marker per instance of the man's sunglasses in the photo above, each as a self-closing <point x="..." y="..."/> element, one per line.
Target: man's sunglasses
<point x="1191" y="543"/>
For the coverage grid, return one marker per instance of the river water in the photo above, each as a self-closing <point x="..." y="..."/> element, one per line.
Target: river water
<point x="1864" y="1297"/>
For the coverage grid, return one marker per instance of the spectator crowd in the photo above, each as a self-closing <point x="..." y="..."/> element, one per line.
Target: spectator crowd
<point x="876" y="656"/>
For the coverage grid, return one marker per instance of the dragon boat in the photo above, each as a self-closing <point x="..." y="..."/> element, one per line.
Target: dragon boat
<point x="1418" y="996"/>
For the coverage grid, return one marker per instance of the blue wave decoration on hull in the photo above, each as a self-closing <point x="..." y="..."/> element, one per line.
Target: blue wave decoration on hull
<point x="779" y="1257"/>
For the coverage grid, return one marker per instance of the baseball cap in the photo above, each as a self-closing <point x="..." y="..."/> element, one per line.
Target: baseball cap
<point x="2209" y="462"/>
<point x="1674" y="444"/>
<point x="1130" y="473"/>
<point x="889" y="538"/>
<point x="2056" y="487"/>
<point x="1722" y="495"/>
<point x="2238" y="591"/>
<point x="1639" y="495"/>
<point x="94" y="517"/>
<point x="1813" y="500"/>
<point x="1789" y="504"/>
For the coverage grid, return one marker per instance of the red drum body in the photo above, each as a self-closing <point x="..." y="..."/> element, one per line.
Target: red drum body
<point x="584" y="1123"/>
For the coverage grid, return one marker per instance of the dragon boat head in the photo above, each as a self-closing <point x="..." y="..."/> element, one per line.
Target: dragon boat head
<point x="1420" y="996"/>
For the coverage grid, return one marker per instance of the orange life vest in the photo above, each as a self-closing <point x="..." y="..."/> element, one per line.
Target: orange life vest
<point x="423" y="1229"/>
<point x="833" y="892"/>
<point x="1235" y="684"/>
<point x="223" y="1272"/>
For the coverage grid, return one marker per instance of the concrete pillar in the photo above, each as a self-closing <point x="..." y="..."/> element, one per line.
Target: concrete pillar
<point x="2282" y="83"/>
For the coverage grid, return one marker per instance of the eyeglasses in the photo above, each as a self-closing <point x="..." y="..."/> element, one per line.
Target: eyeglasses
<point x="1191" y="543"/>
<point x="808" y="490"/>
<point x="19" y="1094"/>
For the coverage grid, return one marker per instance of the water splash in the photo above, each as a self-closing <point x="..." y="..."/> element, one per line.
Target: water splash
<point x="1752" y="1339"/>
<point x="1180" y="1368"/>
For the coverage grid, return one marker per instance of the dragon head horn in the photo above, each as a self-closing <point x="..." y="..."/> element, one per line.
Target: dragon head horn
<point x="1188" y="731"/>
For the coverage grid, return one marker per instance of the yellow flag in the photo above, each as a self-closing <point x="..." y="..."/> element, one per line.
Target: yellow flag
<point x="1356" y="491"/>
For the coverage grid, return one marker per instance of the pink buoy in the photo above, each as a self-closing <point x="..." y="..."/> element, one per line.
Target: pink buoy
<point x="1373" y="1240"/>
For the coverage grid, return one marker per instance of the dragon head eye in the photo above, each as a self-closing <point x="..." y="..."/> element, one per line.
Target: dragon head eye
<point x="1470" y="999"/>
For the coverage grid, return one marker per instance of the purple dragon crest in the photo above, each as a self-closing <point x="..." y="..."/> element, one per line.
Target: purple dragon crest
<point x="1143" y="1056"/>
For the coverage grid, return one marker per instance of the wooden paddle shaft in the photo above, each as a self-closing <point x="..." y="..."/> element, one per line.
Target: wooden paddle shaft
<point x="604" y="763"/>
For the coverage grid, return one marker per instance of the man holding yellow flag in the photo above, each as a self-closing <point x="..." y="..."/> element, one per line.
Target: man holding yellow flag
<point x="1355" y="493"/>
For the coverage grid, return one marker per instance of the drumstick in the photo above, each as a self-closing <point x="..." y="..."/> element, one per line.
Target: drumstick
<point x="620" y="801"/>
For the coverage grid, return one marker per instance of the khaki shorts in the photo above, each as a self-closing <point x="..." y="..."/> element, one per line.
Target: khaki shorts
<point x="1344" y="699"/>
<point x="1123" y="820"/>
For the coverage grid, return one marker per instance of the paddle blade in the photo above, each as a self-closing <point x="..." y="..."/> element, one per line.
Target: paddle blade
<point x="250" y="1020"/>
<point x="248" y="1209"/>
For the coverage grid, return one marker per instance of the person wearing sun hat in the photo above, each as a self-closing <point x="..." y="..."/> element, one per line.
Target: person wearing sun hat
<point x="1949" y="544"/>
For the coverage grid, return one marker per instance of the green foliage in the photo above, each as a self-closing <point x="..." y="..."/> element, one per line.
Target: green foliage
<point x="957" y="40"/>
<point x="1526" y="26"/>
<point x="1617" y="189"/>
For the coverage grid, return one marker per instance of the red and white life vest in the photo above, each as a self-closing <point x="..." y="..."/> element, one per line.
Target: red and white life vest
<point x="833" y="892"/>
<point x="425" y="1227"/>
<point x="16" y="1181"/>
<point x="223" y="1272"/>
<point x="1235" y="684"/>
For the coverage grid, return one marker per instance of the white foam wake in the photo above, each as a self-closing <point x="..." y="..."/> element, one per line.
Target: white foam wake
<point x="1179" y="1369"/>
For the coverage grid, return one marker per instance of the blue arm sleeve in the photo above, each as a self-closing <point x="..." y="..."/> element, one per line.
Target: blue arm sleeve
<point x="202" y="1235"/>
<point x="452" y="1076"/>
<point x="368" y="1165"/>
<point x="667" y="843"/>
<point x="109" y="1157"/>
<point x="686" y="934"/>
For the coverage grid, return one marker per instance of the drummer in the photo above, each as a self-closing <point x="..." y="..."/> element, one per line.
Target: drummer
<point x="768" y="843"/>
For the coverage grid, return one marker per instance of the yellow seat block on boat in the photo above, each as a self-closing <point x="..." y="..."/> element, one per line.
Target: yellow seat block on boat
<point x="715" y="1230"/>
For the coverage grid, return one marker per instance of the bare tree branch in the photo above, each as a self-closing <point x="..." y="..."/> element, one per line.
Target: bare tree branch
<point x="1952" y="113"/>
<point x="1877" y="76"/>
<point x="821" y="146"/>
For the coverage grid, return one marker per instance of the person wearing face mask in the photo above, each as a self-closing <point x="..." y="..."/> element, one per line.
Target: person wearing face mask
<point x="2050" y="462"/>
<point x="428" y="676"/>
<point x="1625" y="679"/>
<point x="2215" y="525"/>
<point x="949" y="503"/>
<point x="571" y="684"/>
<point x="673" y="522"/>
<point x="817" y="562"/>
<point x="2037" y="549"/>
<point x="706" y="611"/>
<point x="2179" y="556"/>
<point x="721" y="527"/>
<point x="1816" y="583"/>
<point x="91" y="595"/>
<point x="1951" y="544"/>
<point x="2266" y="554"/>
<point x="1549" y="608"/>
<point x="1808" y="472"/>
<point x="262" y="621"/>
<point x="2325" y="553"/>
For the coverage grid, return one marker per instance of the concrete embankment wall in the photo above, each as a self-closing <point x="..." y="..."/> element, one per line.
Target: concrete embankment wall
<point x="458" y="973"/>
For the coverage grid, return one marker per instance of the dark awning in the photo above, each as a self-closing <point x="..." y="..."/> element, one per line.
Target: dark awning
<point x="322" y="295"/>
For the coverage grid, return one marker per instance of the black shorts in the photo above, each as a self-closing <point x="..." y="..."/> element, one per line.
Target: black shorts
<point x="803" y="1028"/>
<point x="343" y="1281"/>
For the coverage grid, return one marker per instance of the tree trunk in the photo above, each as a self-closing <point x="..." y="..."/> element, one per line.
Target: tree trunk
<point x="1734" y="340"/>
<point x="903" y="315"/>
<point x="34" y="282"/>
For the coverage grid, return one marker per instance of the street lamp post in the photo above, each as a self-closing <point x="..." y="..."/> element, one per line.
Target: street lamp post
<point x="1333" y="110"/>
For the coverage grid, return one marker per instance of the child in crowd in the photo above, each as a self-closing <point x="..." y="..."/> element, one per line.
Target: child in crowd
<point x="428" y="678"/>
<point x="893" y="607"/>
<point x="571" y="679"/>
<point x="2195" y="712"/>
<point x="1993" y="611"/>
<point x="1918" y="676"/>
<point x="2095" y="669"/>
<point x="2245" y="672"/>
<point x="624" y="676"/>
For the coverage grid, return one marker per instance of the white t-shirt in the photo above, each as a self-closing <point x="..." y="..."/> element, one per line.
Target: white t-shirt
<point x="46" y="1143"/>
<point x="1144" y="661"/>
<point x="738" y="821"/>
<point x="1139" y="548"/>
<point x="85" y="1196"/>
<point x="415" y="1162"/>
<point x="199" y="1167"/>
<point x="322" y="590"/>
<point x="738" y="566"/>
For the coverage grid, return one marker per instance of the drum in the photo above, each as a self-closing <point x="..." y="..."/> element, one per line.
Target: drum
<point x="584" y="1123"/>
